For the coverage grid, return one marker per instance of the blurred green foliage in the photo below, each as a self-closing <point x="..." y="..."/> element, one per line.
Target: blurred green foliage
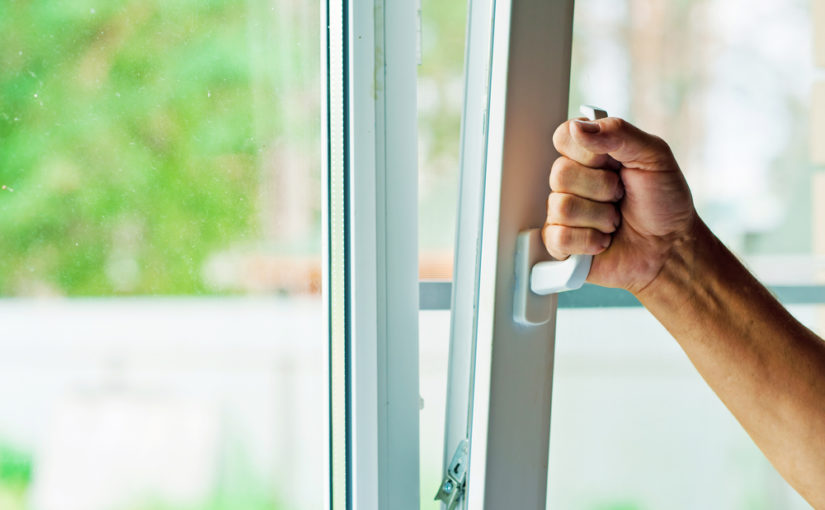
<point x="131" y="137"/>
<point x="442" y="63"/>
<point x="15" y="476"/>
<point x="15" y="465"/>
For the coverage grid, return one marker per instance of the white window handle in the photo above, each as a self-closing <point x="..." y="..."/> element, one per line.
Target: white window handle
<point x="534" y="278"/>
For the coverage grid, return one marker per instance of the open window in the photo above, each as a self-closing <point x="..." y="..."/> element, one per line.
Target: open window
<point x="613" y="375"/>
<point x="178" y="181"/>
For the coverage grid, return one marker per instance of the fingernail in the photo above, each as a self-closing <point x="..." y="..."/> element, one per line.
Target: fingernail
<point x="606" y="242"/>
<point x="588" y="127"/>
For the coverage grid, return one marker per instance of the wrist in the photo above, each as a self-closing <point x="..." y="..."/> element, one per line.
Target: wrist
<point x="684" y="257"/>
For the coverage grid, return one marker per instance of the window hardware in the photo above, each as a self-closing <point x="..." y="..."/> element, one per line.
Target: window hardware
<point x="452" y="487"/>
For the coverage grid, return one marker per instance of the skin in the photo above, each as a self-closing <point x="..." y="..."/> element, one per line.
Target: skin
<point x="618" y="193"/>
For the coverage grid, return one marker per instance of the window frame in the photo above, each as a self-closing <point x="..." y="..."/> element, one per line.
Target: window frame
<point x="371" y="264"/>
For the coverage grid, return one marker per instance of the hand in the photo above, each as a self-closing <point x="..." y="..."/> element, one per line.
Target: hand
<point x="616" y="193"/>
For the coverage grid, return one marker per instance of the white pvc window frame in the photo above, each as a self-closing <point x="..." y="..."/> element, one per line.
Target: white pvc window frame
<point x="500" y="382"/>
<point x="371" y="263"/>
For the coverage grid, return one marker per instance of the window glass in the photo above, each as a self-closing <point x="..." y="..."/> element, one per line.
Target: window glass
<point x="731" y="99"/>
<point x="727" y="83"/>
<point x="635" y="427"/>
<point x="160" y="255"/>
<point x="440" y="102"/>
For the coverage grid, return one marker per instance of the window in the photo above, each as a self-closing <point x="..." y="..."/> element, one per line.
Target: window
<point x="633" y="424"/>
<point x="160" y="257"/>
<point x="211" y="239"/>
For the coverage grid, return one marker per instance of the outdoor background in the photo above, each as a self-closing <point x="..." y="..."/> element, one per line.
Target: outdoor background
<point x="161" y="345"/>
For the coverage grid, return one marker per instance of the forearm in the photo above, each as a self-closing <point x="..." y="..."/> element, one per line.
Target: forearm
<point x="766" y="367"/>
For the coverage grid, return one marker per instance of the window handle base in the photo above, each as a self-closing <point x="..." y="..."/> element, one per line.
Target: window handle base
<point x="537" y="280"/>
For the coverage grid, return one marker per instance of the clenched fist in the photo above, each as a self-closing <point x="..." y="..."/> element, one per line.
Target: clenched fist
<point x="616" y="193"/>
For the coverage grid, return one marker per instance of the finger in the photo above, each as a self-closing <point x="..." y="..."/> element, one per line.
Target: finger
<point x="619" y="139"/>
<point x="568" y="176"/>
<point x="567" y="146"/>
<point x="573" y="211"/>
<point x="562" y="241"/>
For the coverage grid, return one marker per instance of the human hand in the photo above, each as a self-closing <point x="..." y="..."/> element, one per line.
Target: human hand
<point x="616" y="193"/>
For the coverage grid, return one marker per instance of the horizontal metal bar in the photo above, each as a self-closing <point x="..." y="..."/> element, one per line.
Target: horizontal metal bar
<point x="799" y="294"/>
<point x="435" y="295"/>
<point x="593" y="296"/>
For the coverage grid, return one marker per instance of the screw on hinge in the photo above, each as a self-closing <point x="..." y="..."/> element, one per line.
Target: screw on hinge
<point x="452" y="487"/>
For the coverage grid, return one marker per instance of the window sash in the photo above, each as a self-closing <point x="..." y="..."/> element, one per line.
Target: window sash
<point x="500" y="381"/>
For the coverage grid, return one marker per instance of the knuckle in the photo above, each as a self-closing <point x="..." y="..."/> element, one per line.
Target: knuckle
<point x="604" y="218"/>
<point x="616" y="218"/>
<point x="560" y="135"/>
<point x="553" y="240"/>
<point x="618" y="187"/>
<point x="565" y="237"/>
<point x="617" y="124"/>
<point x="591" y="240"/>
<point x="658" y="142"/>
<point x="614" y="181"/>
<point x="552" y="208"/>
<point x="559" y="174"/>
<point x="610" y="185"/>
<point x="561" y="206"/>
<point x="594" y="241"/>
<point x="559" y="237"/>
<point x="659" y="145"/>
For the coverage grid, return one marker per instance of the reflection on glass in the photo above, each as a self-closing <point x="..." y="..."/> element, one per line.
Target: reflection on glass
<point x="159" y="172"/>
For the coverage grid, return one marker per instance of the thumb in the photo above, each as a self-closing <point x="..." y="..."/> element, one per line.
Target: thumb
<point x="623" y="141"/>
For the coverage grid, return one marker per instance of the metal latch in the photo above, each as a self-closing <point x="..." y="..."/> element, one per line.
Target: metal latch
<point x="452" y="487"/>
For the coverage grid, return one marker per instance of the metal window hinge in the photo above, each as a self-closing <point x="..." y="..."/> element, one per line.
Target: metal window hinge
<point x="452" y="487"/>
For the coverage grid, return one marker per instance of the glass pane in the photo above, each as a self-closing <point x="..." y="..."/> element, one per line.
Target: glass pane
<point x="634" y="426"/>
<point x="440" y="97"/>
<point x="733" y="102"/>
<point x="160" y="255"/>
<point x="434" y="349"/>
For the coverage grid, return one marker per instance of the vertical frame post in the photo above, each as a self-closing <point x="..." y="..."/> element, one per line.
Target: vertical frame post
<point x="372" y="274"/>
<point x="384" y="252"/>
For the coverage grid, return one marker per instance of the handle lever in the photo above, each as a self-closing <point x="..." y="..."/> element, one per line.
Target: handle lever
<point x="536" y="281"/>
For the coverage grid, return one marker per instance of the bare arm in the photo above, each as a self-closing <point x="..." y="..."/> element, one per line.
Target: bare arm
<point x="766" y="367"/>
